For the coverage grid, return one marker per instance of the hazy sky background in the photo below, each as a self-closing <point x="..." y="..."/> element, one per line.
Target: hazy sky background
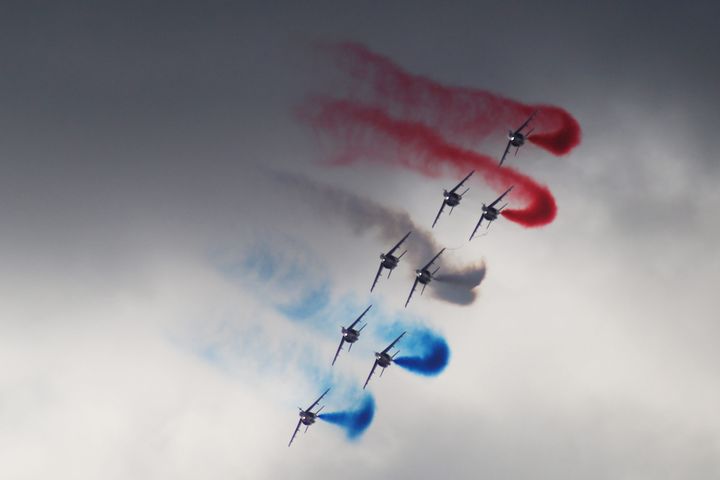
<point x="137" y="340"/>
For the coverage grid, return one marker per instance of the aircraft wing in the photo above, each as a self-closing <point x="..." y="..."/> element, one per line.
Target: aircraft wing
<point x="394" y="342"/>
<point x="507" y="149"/>
<point x="400" y="242"/>
<point x="526" y="122"/>
<point x="461" y="182"/>
<point x="372" y="370"/>
<point x="500" y="197"/>
<point x="433" y="260"/>
<point x="358" y="319"/>
<point x="316" y="401"/>
<point x="412" y="290"/>
<point x="342" y="340"/>
<point x="439" y="213"/>
<point x="377" y="275"/>
<point x="476" y="227"/>
<point x="295" y="432"/>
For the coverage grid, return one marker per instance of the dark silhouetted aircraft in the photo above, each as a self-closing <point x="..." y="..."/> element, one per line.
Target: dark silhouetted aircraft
<point x="350" y="335"/>
<point x="517" y="138"/>
<point x="307" y="417"/>
<point x="424" y="276"/>
<point x="383" y="359"/>
<point x="390" y="261"/>
<point x="452" y="198"/>
<point x="490" y="213"/>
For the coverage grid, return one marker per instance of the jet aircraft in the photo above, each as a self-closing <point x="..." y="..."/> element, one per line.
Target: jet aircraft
<point x="384" y="359"/>
<point x="389" y="261"/>
<point x="424" y="276"/>
<point x="452" y="198"/>
<point x="307" y="417"/>
<point x="350" y="335"/>
<point x="490" y="213"/>
<point x="517" y="138"/>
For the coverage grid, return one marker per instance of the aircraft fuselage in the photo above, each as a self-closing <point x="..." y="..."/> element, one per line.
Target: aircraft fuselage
<point x="389" y="261"/>
<point x="424" y="276"/>
<point x="516" y="139"/>
<point x="452" y="199"/>
<point x="491" y="213"/>
<point x="350" y="335"/>
<point x="307" y="418"/>
<point x="383" y="359"/>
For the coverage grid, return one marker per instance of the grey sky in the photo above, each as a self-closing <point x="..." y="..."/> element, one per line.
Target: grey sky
<point x="132" y="140"/>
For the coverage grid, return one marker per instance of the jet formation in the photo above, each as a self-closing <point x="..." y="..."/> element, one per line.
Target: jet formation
<point x="423" y="275"/>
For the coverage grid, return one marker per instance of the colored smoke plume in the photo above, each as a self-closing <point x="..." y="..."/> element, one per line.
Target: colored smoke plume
<point x="459" y="285"/>
<point x="460" y="114"/>
<point x="362" y="215"/>
<point x="356" y="421"/>
<point x="414" y="145"/>
<point x="433" y="353"/>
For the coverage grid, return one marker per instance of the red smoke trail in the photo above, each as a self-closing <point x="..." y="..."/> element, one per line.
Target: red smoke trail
<point x="421" y="148"/>
<point x="460" y="114"/>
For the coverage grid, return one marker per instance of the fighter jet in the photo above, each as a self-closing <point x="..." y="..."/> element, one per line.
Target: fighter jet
<point x="389" y="261"/>
<point x="424" y="276"/>
<point x="350" y="335"/>
<point x="517" y="138"/>
<point x="490" y="213"/>
<point x="307" y="417"/>
<point x="384" y="359"/>
<point x="452" y="198"/>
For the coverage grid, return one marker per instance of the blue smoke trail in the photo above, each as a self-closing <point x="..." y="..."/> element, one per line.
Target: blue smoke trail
<point x="355" y="422"/>
<point x="434" y="357"/>
<point x="311" y="302"/>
